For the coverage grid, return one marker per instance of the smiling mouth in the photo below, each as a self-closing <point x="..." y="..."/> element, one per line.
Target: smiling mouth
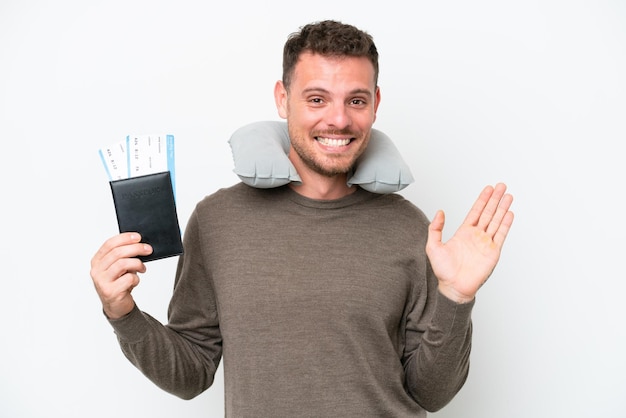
<point x="332" y="142"/>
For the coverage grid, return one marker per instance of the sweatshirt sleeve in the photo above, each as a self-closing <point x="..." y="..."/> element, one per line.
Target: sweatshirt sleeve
<point x="438" y="345"/>
<point x="182" y="356"/>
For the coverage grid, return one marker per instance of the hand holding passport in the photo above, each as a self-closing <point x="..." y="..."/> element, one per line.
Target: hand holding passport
<point x="141" y="175"/>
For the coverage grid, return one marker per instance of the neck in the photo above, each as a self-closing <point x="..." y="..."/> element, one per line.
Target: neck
<point x="327" y="190"/>
<point x="317" y="186"/>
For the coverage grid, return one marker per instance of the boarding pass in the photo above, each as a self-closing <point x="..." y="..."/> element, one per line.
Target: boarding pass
<point x="139" y="155"/>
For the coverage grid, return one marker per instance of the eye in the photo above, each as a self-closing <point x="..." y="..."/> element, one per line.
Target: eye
<point x="358" y="102"/>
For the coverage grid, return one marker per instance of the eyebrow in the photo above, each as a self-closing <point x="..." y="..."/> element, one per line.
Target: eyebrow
<point x="365" y="92"/>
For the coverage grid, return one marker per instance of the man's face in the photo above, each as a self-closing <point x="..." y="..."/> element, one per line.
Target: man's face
<point x="330" y="108"/>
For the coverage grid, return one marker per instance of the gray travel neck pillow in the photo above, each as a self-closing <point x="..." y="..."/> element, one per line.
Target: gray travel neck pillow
<point x="260" y="152"/>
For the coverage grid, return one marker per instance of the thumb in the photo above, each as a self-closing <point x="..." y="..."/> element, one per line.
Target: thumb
<point x="435" y="229"/>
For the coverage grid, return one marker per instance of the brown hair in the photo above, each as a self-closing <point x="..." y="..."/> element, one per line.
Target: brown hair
<point x="328" y="38"/>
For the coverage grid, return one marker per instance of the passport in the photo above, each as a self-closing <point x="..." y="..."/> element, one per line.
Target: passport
<point x="146" y="204"/>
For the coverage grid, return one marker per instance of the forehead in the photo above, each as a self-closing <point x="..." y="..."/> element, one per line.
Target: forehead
<point x="336" y="70"/>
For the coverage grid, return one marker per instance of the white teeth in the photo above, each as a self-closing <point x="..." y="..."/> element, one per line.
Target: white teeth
<point x="330" y="142"/>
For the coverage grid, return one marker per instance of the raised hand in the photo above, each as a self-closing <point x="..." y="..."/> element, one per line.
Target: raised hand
<point x="114" y="271"/>
<point x="465" y="262"/>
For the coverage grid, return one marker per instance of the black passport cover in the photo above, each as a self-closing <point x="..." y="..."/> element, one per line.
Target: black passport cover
<point x="146" y="204"/>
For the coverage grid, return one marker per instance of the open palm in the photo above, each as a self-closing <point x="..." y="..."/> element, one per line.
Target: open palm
<point x="465" y="262"/>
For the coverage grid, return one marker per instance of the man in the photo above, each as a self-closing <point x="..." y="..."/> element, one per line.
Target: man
<point x="323" y="299"/>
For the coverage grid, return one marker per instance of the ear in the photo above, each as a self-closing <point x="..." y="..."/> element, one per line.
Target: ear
<point x="280" y="97"/>
<point x="377" y="102"/>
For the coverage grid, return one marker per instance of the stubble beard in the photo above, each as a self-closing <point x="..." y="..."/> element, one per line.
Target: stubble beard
<point x="328" y="170"/>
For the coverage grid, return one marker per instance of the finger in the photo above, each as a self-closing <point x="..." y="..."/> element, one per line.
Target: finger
<point x="119" y="247"/>
<point x="118" y="277"/>
<point x="116" y="297"/>
<point x="106" y="274"/>
<point x="117" y="257"/>
<point x="118" y="288"/>
<point x="503" y="229"/>
<point x="501" y="211"/>
<point x="126" y="283"/>
<point x="114" y="242"/>
<point x="491" y="207"/>
<point x="473" y="216"/>
<point x="125" y="265"/>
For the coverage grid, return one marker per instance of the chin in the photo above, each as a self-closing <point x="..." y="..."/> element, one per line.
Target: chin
<point x="333" y="170"/>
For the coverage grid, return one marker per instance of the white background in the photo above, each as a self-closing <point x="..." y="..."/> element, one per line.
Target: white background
<point x="531" y="93"/>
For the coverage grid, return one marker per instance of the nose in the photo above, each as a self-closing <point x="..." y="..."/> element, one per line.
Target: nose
<point x="338" y="116"/>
